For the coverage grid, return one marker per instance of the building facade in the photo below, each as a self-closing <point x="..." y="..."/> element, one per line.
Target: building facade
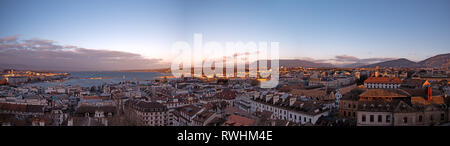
<point x="383" y="82"/>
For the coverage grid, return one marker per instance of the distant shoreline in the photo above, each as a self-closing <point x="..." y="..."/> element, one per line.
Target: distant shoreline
<point x="161" y="70"/>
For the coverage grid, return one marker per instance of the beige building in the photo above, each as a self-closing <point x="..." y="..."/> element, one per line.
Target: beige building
<point x="146" y="113"/>
<point x="374" y="113"/>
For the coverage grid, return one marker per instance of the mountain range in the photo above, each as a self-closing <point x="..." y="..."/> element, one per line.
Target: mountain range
<point x="438" y="61"/>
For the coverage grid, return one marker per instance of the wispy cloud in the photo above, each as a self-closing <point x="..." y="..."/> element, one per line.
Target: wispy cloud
<point x="47" y="54"/>
<point x="347" y="59"/>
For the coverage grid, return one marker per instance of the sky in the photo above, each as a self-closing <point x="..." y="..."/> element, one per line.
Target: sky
<point x="333" y="31"/>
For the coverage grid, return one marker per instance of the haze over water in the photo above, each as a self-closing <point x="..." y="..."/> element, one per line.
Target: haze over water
<point x="89" y="79"/>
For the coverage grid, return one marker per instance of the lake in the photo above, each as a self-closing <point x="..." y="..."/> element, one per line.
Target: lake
<point x="88" y="79"/>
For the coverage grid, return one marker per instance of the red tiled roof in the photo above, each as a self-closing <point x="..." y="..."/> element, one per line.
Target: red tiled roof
<point x="226" y="94"/>
<point x="235" y="120"/>
<point x="383" y="80"/>
<point x="393" y="93"/>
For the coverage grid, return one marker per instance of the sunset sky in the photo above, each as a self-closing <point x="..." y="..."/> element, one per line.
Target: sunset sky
<point x="131" y="34"/>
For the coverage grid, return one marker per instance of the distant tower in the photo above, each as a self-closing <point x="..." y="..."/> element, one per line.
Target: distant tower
<point x="138" y="86"/>
<point x="358" y="74"/>
<point x="153" y="91"/>
<point x="429" y="91"/>
<point x="377" y="71"/>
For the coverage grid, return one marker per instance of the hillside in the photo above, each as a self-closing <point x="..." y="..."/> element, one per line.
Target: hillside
<point x="438" y="61"/>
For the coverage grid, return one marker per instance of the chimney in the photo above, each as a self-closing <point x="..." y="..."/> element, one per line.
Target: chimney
<point x="275" y="99"/>
<point x="268" y="97"/>
<point x="256" y="96"/>
<point x="292" y="101"/>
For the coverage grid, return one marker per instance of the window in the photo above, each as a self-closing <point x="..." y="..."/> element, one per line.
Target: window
<point x="345" y="113"/>
<point x="371" y="118"/>
<point x="388" y="118"/>
<point x="380" y="118"/>
<point x="431" y="117"/>
<point x="420" y="118"/>
<point x="442" y="116"/>
<point x="405" y="120"/>
<point x="363" y="118"/>
<point x="354" y="106"/>
<point x="354" y="115"/>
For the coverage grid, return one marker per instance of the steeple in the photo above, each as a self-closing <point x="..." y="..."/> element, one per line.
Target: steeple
<point x="429" y="91"/>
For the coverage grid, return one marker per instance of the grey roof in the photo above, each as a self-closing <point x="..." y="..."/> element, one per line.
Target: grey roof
<point x="284" y="96"/>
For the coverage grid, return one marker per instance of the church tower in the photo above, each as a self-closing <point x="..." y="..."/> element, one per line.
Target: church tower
<point x="429" y="91"/>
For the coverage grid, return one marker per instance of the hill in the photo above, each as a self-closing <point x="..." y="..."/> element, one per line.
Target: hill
<point x="438" y="61"/>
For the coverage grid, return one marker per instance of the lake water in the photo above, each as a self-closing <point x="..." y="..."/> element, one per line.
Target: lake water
<point x="88" y="79"/>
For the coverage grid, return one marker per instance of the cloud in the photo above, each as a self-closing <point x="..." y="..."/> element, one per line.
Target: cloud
<point x="346" y="59"/>
<point x="9" y="39"/>
<point x="48" y="55"/>
<point x="374" y="60"/>
<point x="341" y="60"/>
